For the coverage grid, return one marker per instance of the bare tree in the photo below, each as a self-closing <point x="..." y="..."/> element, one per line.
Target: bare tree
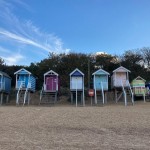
<point x="146" y="56"/>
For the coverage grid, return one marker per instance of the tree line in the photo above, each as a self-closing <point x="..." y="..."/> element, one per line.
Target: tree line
<point x="137" y="61"/>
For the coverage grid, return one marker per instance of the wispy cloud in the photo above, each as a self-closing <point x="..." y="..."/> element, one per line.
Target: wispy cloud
<point x="13" y="59"/>
<point x="20" y="31"/>
<point x="10" y="56"/>
<point x="28" y="41"/>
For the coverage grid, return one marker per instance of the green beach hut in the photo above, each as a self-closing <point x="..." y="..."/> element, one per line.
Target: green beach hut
<point x="138" y="86"/>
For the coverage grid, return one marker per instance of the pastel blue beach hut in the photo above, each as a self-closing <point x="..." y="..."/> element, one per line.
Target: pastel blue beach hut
<point x="120" y="84"/>
<point x="25" y="84"/>
<point x="5" y="86"/>
<point x="100" y="84"/>
<point x="77" y="86"/>
<point x="50" y="87"/>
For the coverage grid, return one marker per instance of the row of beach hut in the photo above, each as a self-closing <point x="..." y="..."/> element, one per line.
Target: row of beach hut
<point x="26" y="83"/>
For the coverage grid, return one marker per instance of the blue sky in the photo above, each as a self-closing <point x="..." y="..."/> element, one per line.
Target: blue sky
<point x="30" y="29"/>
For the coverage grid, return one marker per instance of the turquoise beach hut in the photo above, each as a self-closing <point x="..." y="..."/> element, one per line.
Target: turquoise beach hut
<point x="25" y="83"/>
<point x="100" y="84"/>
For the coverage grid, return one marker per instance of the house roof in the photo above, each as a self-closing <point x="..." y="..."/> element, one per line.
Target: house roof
<point x="17" y="72"/>
<point x="100" y="70"/>
<point x="77" y="71"/>
<point x="121" y="69"/>
<point x="51" y="71"/>
<point x="4" y="74"/>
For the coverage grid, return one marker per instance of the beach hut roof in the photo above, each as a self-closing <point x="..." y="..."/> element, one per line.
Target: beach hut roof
<point x="4" y="74"/>
<point x="139" y="78"/>
<point x="76" y="70"/>
<point x="100" y="71"/>
<point x="121" y="69"/>
<point x="24" y="71"/>
<point x="51" y="72"/>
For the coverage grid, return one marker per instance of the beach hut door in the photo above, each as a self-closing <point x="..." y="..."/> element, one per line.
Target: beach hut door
<point x="120" y="79"/>
<point x="100" y="79"/>
<point x="50" y="84"/>
<point x="77" y="82"/>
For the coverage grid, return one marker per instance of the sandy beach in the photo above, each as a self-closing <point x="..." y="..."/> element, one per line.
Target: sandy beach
<point x="65" y="127"/>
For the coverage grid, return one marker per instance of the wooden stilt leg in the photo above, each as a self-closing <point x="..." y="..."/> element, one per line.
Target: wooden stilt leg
<point x="71" y="98"/>
<point x="125" y="99"/>
<point x="95" y="97"/>
<point x="56" y="97"/>
<point x="76" y="98"/>
<point x="144" y="98"/>
<point x="81" y="99"/>
<point x="28" y="95"/>
<point x="1" y="98"/>
<point x="116" y="95"/>
<point x="91" y="101"/>
<point x="105" y="97"/>
<point x="7" y="98"/>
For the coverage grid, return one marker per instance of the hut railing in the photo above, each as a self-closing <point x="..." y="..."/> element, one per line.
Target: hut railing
<point x="25" y="97"/>
<point x="131" y="92"/>
<point x="41" y="93"/>
<point x="20" y="84"/>
<point x="124" y="92"/>
<point x="18" y="93"/>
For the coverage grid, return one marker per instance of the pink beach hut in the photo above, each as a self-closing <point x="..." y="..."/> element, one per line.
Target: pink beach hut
<point x="50" y="87"/>
<point x="120" y="84"/>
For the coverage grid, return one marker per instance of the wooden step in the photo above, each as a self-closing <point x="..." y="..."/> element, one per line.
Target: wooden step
<point x="48" y="98"/>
